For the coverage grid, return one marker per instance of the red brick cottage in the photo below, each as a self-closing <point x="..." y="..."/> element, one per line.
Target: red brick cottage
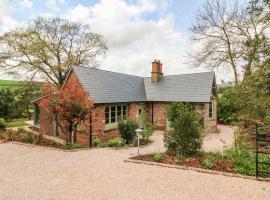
<point x="117" y="95"/>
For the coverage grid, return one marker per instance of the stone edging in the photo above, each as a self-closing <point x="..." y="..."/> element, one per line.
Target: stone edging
<point x="45" y="147"/>
<point x="193" y="169"/>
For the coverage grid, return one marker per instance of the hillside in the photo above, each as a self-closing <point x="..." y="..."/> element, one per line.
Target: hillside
<point x="10" y="84"/>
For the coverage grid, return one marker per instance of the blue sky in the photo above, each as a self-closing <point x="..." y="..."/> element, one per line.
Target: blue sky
<point x="136" y="31"/>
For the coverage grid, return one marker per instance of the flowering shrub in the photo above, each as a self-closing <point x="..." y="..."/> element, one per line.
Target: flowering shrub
<point x="69" y="105"/>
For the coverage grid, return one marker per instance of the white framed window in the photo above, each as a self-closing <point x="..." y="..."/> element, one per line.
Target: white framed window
<point x="210" y="110"/>
<point x="114" y="113"/>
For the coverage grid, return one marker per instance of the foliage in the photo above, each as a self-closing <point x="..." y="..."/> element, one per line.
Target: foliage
<point x="127" y="129"/>
<point x="70" y="106"/>
<point x="226" y="110"/>
<point x="184" y="138"/>
<point x="28" y="138"/>
<point x="8" y="104"/>
<point x="49" y="47"/>
<point x="72" y="146"/>
<point x="27" y="91"/>
<point x="208" y="164"/>
<point x="159" y="156"/>
<point x="15" y="102"/>
<point x="16" y="123"/>
<point x="241" y="156"/>
<point x="3" y="124"/>
<point x="96" y="142"/>
<point x="148" y="128"/>
<point x="116" y="142"/>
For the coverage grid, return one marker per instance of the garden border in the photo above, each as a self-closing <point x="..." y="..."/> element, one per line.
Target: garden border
<point x="182" y="167"/>
<point x="47" y="147"/>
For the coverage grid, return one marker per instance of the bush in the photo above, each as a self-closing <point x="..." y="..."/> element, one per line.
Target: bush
<point x="28" y="138"/>
<point x="148" y="128"/>
<point x="72" y="146"/>
<point x="159" y="156"/>
<point x="116" y="142"/>
<point x="184" y="138"/>
<point x="96" y="142"/>
<point x="208" y="164"/>
<point x="127" y="130"/>
<point x="226" y="110"/>
<point x="3" y="124"/>
<point x="242" y="156"/>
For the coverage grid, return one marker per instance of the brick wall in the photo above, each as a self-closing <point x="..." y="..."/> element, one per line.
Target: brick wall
<point x="98" y="126"/>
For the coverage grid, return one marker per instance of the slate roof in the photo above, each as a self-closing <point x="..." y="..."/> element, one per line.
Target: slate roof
<point x="112" y="87"/>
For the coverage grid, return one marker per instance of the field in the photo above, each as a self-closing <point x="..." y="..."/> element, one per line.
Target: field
<point x="10" y="84"/>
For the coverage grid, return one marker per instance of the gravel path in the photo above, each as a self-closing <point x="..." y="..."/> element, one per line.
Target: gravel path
<point x="219" y="141"/>
<point x="36" y="173"/>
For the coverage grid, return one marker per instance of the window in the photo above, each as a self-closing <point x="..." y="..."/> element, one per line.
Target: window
<point x="107" y="115"/>
<point x="36" y="114"/>
<point x="210" y="110"/>
<point x="115" y="113"/>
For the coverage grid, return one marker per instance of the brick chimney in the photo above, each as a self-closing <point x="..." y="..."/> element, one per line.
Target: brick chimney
<point x="156" y="73"/>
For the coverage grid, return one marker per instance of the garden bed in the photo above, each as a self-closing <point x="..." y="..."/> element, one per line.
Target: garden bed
<point x="28" y="137"/>
<point x="205" y="161"/>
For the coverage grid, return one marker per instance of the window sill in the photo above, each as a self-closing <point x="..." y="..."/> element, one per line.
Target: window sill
<point x="111" y="126"/>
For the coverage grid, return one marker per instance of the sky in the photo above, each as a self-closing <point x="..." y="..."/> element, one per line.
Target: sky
<point x="135" y="31"/>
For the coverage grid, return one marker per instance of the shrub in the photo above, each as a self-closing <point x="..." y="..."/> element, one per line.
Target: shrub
<point x="226" y="110"/>
<point x="72" y="146"/>
<point x="184" y="138"/>
<point x="3" y="124"/>
<point x="159" y="156"/>
<point x="96" y="142"/>
<point x="148" y="128"/>
<point x="241" y="156"/>
<point x="127" y="129"/>
<point x="116" y="142"/>
<point x="28" y="138"/>
<point x="208" y="164"/>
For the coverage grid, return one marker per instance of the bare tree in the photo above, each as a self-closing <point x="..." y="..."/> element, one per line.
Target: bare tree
<point x="49" y="47"/>
<point x="218" y="43"/>
<point x="231" y="36"/>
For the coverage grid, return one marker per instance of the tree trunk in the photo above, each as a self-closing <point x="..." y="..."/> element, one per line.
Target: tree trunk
<point x="75" y="134"/>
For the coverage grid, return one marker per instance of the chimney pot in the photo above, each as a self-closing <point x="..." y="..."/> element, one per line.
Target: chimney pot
<point x="156" y="73"/>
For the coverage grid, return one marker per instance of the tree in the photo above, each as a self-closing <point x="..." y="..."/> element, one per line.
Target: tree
<point x="213" y="32"/>
<point x="69" y="106"/>
<point x="8" y="104"/>
<point x="230" y="36"/>
<point x="48" y="47"/>
<point x="25" y="95"/>
<point x="184" y="136"/>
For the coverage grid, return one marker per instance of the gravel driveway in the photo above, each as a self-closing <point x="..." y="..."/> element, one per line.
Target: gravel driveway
<point x="34" y="173"/>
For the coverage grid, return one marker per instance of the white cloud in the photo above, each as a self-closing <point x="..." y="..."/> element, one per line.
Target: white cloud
<point x="134" y="41"/>
<point x="26" y="3"/>
<point x="54" y="4"/>
<point x="6" y="21"/>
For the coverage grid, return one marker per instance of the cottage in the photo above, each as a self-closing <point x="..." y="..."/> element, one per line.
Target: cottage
<point x="118" y="95"/>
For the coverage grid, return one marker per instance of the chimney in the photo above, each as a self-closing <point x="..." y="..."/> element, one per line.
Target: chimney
<point x="156" y="73"/>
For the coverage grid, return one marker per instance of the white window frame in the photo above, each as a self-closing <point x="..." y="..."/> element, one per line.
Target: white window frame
<point x="116" y="112"/>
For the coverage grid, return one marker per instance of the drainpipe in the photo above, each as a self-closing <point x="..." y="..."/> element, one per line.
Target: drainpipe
<point x="152" y="113"/>
<point x="90" y="129"/>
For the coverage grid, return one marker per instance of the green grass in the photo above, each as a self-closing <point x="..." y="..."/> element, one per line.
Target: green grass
<point x="10" y="84"/>
<point x="16" y="123"/>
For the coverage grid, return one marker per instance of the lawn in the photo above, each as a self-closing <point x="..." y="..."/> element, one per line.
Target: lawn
<point x="17" y="123"/>
<point x="10" y="84"/>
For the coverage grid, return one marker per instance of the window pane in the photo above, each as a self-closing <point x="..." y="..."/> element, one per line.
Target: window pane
<point x="119" y="112"/>
<point x="124" y="111"/>
<point x="107" y="115"/>
<point x="113" y="114"/>
<point x="210" y="112"/>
